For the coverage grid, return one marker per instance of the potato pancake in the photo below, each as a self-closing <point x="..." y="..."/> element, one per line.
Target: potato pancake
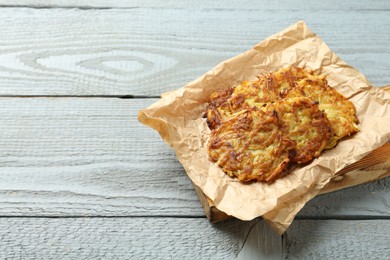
<point x="224" y="104"/>
<point x="250" y="146"/>
<point x="259" y="128"/>
<point x="339" y="110"/>
<point x="305" y="124"/>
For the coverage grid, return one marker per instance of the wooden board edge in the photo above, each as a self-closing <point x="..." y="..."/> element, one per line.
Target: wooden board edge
<point x="373" y="163"/>
<point x="213" y="214"/>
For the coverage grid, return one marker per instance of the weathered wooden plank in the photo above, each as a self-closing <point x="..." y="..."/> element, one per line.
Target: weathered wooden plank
<point x="336" y="204"/>
<point x="147" y="51"/>
<point x="91" y="157"/>
<point x="246" y="4"/>
<point x="338" y="239"/>
<point x="185" y="238"/>
<point x="126" y="238"/>
<point x="87" y="156"/>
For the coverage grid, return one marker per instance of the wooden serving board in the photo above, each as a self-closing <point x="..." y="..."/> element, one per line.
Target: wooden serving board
<point x="376" y="163"/>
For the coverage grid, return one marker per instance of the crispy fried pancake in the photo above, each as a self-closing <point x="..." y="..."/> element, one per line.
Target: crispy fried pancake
<point x="224" y="104"/>
<point x="218" y="105"/>
<point x="290" y="116"/>
<point x="305" y="124"/>
<point x="250" y="146"/>
<point x="339" y="110"/>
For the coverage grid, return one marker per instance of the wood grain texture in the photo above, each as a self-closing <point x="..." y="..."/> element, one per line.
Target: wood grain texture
<point x="91" y="157"/>
<point x="188" y="4"/>
<point x="335" y="239"/>
<point x="183" y="238"/>
<point x="62" y="156"/>
<point x="148" y="50"/>
<point x="120" y="238"/>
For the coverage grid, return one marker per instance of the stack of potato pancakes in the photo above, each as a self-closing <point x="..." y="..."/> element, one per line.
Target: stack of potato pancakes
<point x="260" y="128"/>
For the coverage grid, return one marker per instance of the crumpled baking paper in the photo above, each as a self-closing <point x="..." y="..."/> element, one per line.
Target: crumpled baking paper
<point x="179" y="118"/>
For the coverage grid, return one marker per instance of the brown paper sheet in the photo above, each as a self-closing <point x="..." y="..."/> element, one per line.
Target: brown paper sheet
<point x="178" y="117"/>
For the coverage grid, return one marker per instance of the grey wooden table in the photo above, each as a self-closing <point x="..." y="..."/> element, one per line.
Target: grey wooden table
<point x="81" y="178"/>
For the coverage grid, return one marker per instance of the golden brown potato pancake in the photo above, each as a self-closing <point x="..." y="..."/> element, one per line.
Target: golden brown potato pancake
<point x="302" y="122"/>
<point x="224" y="104"/>
<point x="250" y="146"/>
<point x="290" y="116"/>
<point x="339" y="110"/>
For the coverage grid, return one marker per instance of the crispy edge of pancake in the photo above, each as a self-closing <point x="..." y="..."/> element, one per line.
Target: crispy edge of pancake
<point x="217" y="99"/>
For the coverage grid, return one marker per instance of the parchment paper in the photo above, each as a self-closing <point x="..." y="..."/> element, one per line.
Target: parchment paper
<point x="178" y="117"/>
